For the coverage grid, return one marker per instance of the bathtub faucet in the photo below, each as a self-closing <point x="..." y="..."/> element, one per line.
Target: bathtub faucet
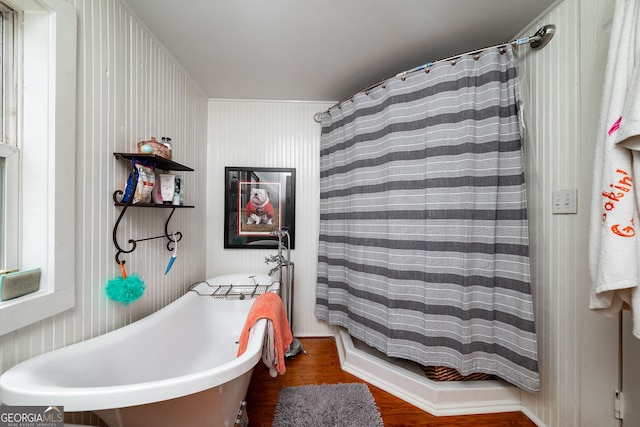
<point x="274" y="269"/>
<point x="278" y="259"/>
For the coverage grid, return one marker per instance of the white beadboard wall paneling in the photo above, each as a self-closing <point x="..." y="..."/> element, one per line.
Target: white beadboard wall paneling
<point x="561" y="87"/>
<point x="128" y="89"/>
<point x="552" y="133"/>
<point x="268" y="134"/>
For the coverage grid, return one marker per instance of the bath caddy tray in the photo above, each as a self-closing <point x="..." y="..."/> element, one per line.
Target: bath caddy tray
<point x="232" y="291"/>
<point x="160" y="163"/>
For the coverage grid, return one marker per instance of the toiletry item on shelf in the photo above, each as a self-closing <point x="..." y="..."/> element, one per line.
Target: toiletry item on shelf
<point x="143" y="179"/>
<point x="158" y="148"/>
<point x="177" y="190"/>
<point x="167" y="143"/>
<point x="167" y="187"/>
<point x="146" y="149"/>
<point x="181" y="191"/>
<point x="156" y="194"/>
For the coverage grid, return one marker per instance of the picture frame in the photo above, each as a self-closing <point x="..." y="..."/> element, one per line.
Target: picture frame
<point x="258" y="201"/>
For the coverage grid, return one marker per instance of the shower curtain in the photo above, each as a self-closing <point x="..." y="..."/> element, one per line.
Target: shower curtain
<point x="423" y="246"/>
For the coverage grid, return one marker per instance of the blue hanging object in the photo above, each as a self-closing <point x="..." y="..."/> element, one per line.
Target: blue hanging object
<point x="125" y="289"/>
<point x="173" y="257"/>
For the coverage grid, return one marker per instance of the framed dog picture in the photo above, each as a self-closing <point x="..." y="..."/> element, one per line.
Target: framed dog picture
<point x="258" y="202"/>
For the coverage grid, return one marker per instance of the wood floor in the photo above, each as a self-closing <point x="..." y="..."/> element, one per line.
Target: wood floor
<point x="321" y="366"/>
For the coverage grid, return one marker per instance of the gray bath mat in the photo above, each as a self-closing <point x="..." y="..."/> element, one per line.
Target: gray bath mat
<point x="327" y="405"/>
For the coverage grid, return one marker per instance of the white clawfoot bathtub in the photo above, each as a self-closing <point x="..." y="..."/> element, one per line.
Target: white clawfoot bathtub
<point x="175" y="367"/>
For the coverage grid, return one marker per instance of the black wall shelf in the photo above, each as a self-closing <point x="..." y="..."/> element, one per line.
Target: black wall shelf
<point x="160" y="163"/>
<point x="154" y="205"/>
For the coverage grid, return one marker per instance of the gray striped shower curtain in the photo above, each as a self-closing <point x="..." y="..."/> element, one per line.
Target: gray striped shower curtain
<point x="423" y="246"/>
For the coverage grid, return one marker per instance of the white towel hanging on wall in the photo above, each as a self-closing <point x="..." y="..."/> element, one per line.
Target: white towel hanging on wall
<point x="614" y="252"/>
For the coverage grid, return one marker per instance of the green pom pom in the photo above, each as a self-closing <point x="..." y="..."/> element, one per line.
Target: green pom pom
<point x="126" y="290"/>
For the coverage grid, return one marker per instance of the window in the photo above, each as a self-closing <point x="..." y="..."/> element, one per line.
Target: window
<point x="39" y="205"/>
<point x="8" y="138"/>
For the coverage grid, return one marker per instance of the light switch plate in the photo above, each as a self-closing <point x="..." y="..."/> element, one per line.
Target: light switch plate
<point x="565" y="201"/>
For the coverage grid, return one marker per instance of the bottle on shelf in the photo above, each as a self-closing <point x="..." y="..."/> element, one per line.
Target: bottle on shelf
<point x="167" y="143"/>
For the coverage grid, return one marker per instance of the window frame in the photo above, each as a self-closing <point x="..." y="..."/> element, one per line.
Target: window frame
<point x="9" y="247"/>
<point x="46" y="154"/>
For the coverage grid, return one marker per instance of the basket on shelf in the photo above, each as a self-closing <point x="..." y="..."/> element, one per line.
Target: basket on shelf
<point x="158" y="148"/>
<point x="444" y="373"/>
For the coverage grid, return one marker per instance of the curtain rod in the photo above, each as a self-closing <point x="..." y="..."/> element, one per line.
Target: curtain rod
<point x="537" y="41"/>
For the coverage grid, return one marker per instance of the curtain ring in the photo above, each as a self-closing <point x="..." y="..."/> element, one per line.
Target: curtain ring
<point x="476" y="56"/>
<point x="454" y="62"/>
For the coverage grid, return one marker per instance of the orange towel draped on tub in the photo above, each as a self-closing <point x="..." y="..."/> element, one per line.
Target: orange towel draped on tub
<point x="269" y="306"/>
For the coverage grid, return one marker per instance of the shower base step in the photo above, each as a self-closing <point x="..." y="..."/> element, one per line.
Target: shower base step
<point x="408" y="382"/>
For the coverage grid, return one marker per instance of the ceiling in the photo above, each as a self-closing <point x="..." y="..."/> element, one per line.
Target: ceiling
<point x="323" y="50"/>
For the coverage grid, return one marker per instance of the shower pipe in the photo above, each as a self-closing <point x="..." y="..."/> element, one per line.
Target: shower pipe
<point x="537" y="41"/>
<point x="295" y="347"/>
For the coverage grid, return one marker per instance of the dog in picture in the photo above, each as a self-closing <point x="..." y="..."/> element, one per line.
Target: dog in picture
<point x="259" y="209"/>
